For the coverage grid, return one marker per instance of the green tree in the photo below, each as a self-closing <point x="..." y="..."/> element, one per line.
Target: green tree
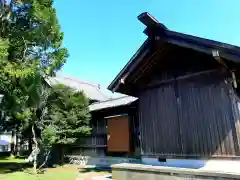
<point x="12" y="78"/>
<point x="33" y="31"/>
<point x="67" y="117"/>
<point x="30" y="51"/>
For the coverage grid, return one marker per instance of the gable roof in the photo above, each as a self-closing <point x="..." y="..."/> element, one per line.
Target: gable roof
<point x="92" y="91"/>
<point x="157" y="31"/>
<point x="111" y="103"/>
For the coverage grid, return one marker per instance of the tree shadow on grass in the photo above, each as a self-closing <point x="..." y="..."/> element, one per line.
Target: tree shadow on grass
<point x="10" y="167"/>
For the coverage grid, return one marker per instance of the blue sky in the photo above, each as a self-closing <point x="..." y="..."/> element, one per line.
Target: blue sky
<point x="102" y="35"/>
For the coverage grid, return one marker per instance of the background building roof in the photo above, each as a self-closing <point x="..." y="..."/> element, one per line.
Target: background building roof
<point x="121" y="101"/>
<point x="92" y="91"/>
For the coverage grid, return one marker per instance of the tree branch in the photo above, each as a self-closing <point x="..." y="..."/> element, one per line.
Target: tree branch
<point x="25" y="49"/>
<point x="36" y="149"/>
<point x="6" y="14"/>
<point x="45" y="161"/>
<point x="34" y="136"/>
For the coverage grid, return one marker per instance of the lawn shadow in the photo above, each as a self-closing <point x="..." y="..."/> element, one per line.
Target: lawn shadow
<point x="3" y="158"/>
<point x="21" y="157"/>
<point x="10" y="167"/>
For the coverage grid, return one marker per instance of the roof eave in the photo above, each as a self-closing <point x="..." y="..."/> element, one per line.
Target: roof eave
<point x="151" y="23"/>
<point x="227" y="51"/>
<point x="154" y="29"/>
<point x="131" y="101"/>
<point x="128" y="68"/>
<point x="94" y="110"/>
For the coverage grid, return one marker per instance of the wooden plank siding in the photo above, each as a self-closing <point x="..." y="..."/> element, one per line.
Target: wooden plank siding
<point x="96" y="143"/>
<point x="93" y="145"/>
<point x="158" y="112"/>
<point x="118" y="132"/>
<point x="205" y="116"/>
<point x="187" y="105"/>
<point x="195" y="116"/>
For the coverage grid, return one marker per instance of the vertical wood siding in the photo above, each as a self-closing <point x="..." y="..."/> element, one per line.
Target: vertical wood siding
<point x="118" y="131"/>
<point x="158" y="120"/>
<point x="206" y="116"/>
<point x="197" y="117"/>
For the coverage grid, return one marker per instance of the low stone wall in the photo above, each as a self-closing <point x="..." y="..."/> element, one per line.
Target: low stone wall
<point x="143" y="172"/>
<point x="105" y="161"/>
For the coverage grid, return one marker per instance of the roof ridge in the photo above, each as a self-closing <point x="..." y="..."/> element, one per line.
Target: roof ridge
<point x="62" y="75"/>
<point x="96" y="86"/>
<point x="82" y="81"/>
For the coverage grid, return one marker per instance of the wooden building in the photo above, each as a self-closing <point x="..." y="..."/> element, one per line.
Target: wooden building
<point x="113" y="121"/>
<point x="188" y="94"/>
<point x="113" y="126"/>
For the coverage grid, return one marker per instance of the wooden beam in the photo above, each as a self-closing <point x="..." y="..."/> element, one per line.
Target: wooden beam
<point x="158" y="83"/>
<point x="145" y="67"/>
<point x="234" y="79"/>
<point x="216" y="56"/>
<point x="130" y="70"/>
<point x="207" y="50"/>
<point x="147" y="19"/>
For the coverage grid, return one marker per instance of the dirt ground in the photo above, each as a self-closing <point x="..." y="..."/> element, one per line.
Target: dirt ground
<point x="65" y="168"/>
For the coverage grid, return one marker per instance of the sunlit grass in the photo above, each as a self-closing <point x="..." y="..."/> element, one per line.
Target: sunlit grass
<point x="15" y="169"/>
<point x="11" y="159"/>
<point x="47" y="175"/>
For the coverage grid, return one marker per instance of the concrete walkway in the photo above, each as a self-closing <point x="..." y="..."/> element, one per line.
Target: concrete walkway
<point x="94" y="176"/>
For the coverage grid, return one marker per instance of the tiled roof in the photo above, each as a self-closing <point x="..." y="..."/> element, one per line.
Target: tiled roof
<point x="93" y="91"/>
<point x="121" y="101"/>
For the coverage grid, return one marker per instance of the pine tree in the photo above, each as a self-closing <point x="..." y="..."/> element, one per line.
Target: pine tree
<point x="67" y="117"/>
<point x="30" y="50"/>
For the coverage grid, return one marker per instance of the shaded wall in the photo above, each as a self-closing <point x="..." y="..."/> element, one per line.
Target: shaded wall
<point x="197" y="116"/>
<point x="96" y="143"/>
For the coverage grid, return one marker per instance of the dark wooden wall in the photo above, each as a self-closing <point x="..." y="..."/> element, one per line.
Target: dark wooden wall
<point x="118" y="132"/>
<point x="96" y="143"/>
<point x="195" y="116"/>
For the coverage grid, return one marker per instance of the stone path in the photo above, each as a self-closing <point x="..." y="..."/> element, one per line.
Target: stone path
<point x="93" y="176"/>
<point x="105" y="177"/>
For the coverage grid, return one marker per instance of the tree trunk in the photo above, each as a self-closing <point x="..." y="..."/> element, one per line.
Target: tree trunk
<point x="12" y="142"/>
<point x="17" y="148"/>
<point x="46" y="159"/>
<point x="61" y="154"/>
<point x="36" y="150"/>
<point x="30" y="145"/>
<point x="35" y="164"/>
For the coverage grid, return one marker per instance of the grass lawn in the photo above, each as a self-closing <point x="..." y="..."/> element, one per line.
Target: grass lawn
<point x="11" y="159"/>
<point x="59" y="173"/>
<point x="17" y="169"/>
